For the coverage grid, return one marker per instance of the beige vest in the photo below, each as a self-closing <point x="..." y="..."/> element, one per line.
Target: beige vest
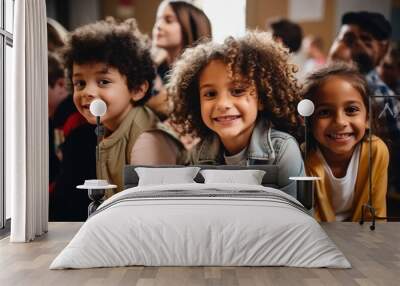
<point x="115" y="150"/>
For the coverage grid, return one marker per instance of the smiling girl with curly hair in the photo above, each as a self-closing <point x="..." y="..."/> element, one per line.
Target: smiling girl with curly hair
<point x="236" y="96"/>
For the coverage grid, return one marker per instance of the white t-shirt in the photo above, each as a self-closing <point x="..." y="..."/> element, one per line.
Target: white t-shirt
<point x="343" y="188"/>
<point x="237" y="159"/>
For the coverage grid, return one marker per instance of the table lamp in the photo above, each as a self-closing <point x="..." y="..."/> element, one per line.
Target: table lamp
<point x="305" y="185"/>
<point x="305" y="108"/>
<point x="96" y="188"/>
<point x="98" y="108"/>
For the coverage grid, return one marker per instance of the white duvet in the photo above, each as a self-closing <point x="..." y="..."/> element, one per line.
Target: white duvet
<point x="201" y="224"/>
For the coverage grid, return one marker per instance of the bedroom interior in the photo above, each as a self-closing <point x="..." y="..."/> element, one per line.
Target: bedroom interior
<point x="175" y="224"/>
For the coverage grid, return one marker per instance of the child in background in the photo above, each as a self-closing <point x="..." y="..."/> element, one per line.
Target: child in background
<point x="57" y="93"/>
<point x="338" y="149"/>
<point x="64" y="120"/>
<point x="313" y="46"/>
<point x="112" y="62"/>
<point x="178" y="25"/>
<point x="235" y="96"/>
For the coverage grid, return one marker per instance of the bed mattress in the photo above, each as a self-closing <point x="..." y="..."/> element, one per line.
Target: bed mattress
<point x="201" y="225"/>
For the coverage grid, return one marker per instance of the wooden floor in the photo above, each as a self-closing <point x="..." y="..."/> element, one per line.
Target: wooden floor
<point x="374" y="255"/>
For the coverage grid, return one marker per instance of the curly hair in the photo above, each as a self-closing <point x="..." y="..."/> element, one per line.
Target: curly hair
<point x="119" y="45"/>
<point x="348" y="72"/>
<point x="255" y="58"/>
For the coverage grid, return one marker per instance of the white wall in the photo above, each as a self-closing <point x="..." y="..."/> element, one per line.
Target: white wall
<point x="227" y="18"/>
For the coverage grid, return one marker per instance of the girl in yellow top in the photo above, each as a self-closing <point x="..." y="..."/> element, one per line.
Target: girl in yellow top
<point x="338" y="148"/>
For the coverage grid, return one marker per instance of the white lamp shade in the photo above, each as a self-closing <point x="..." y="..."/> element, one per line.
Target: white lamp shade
<point x="98" y="107"/>
<point x="305" y="107"/>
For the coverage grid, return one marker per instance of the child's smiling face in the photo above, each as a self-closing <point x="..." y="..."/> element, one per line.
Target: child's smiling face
<point x="229" y="108"/>
<point x="340" y="118"/>
<point x="99" y="81"/>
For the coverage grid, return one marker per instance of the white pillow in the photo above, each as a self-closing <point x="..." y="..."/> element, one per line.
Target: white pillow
<point x="162" y="176"/>
<point x="248" y="177"/>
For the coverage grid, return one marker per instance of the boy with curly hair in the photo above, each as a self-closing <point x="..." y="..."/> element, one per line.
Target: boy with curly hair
<point x="235" y="96"/>
<point x="111" y="61"/>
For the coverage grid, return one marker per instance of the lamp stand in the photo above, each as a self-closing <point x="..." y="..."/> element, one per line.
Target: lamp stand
<point x="369" y="206"/>
<point x="96" y="195"/>
<point x="99" y="133"/>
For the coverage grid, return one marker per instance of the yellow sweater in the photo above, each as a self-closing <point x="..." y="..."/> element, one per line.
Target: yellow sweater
<point x="380" y="160"/>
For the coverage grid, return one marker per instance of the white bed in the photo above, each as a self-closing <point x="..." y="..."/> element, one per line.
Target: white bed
<point x="201" y="224"/>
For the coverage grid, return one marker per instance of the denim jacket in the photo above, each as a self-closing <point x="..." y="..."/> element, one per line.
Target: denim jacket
<point x="267" y="147"/>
